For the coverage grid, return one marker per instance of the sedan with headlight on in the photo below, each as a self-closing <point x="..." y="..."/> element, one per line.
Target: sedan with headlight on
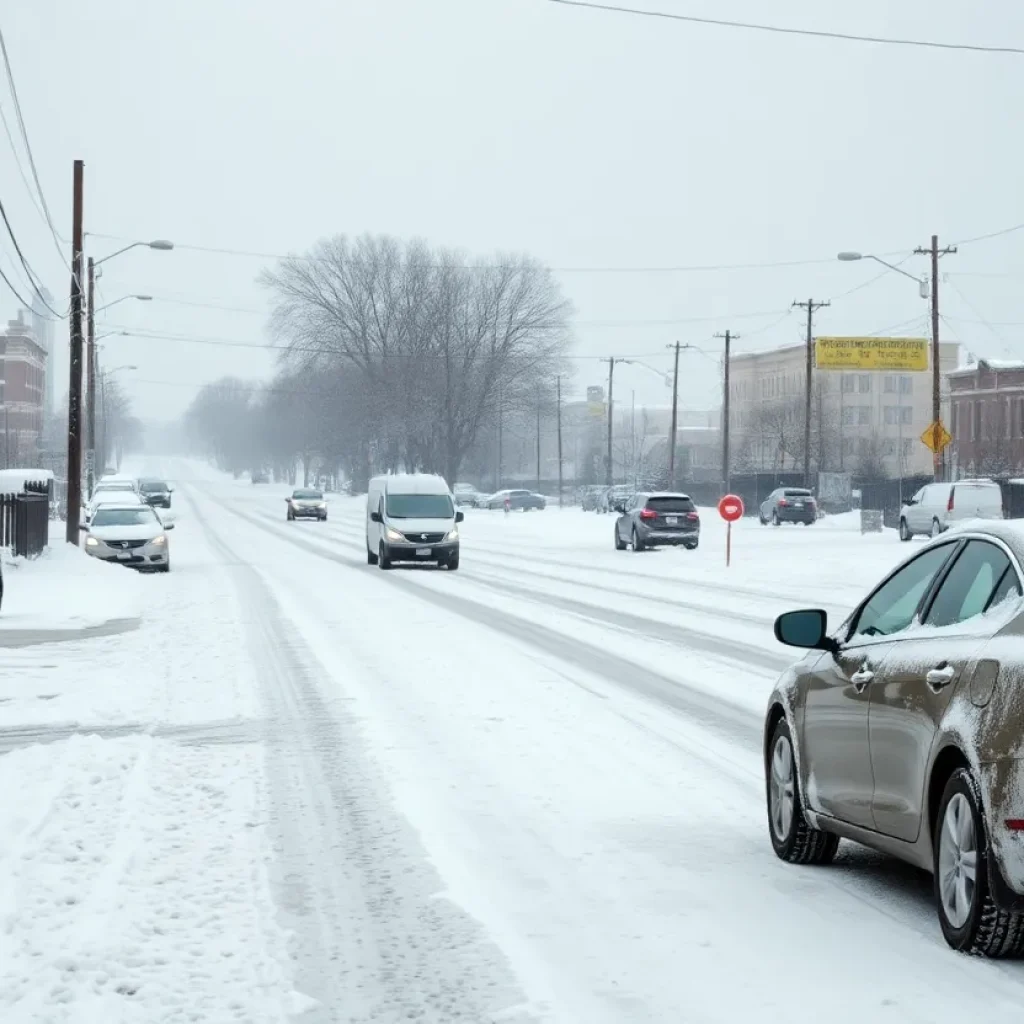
<point x="306" y="504"/>
<point x="132" y="535"/>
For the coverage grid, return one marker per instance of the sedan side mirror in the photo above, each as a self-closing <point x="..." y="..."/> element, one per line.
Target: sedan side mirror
<point x="807" y="629"/>
<point x="460" y="517"/>
<point x="375" y="517"/>
<point x="168" y="526"/>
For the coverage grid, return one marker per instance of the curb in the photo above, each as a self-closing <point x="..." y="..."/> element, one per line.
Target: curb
<point x="10" y="638"/>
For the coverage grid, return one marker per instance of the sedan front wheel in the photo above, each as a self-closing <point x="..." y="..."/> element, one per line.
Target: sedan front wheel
<point x="793" y="839"/>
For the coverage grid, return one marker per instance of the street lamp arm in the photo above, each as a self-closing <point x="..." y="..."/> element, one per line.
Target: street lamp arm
<point x="892" y="266"/>
<point x="134" y="245"/>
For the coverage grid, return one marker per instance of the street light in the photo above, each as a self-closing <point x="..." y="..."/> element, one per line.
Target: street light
<point x="160" y="244"/>
<point x="124" y="298"/>
<point x="852" y="257"/>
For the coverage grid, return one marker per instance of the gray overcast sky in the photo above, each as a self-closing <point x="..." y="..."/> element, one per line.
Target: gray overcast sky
<point x="589" y="139"/>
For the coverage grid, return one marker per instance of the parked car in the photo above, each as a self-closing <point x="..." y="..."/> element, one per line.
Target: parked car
<point x="518" y="500"/>
<point x="590" y="498"/>
<point x="467" y="495"/>
<point x="789" y="505"/>
<point x="411" y="518"/>
<point x="903" y="730"/>
<point x="111" y="497"/>
<point x="612" y="496"/>
<point x="936" y="507"/>
<point x="259" y="477"/>
<point x="132" y="535"/>
<point x="115" y="483"/>
<point x="306" y="503"/>
<point x="654" y="520"/>
<point x="155" y="493"/>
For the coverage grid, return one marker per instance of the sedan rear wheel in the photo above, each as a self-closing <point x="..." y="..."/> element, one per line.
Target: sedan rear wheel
<point x="905" y="533"/>
<point x="793" y="839"/>
<point x="971" y="922"/>
<point x="638" y="544"/>
<point x="775" y="519"/>
<point x="936" y="528"/>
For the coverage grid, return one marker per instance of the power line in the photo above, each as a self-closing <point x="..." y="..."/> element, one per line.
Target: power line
<point x="16" y="293"/>
<point x="991" y="234"/>
<point x="31" y="274"/>
<point x="28" y="150"/>
<point x="780" y="30"/>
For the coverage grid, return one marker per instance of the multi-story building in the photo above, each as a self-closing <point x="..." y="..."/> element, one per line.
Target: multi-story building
<point x="987" y="418"/>
<point x="22" y="392"/>
<point x="861" y="422"/>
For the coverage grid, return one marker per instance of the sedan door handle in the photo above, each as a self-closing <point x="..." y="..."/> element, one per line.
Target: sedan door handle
<point x="861" y="678"/>
<point x="937" y="678"/>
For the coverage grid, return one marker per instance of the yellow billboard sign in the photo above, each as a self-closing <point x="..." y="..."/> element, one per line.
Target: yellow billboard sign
<point x="871" y="353"/>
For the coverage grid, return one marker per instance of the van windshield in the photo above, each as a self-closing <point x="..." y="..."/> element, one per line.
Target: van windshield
<point x="420" y="506"/>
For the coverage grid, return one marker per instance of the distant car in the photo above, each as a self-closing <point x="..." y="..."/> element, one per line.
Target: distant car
<point x="112" y="497"/>
<point x="467" y="496"/>
<point x="306" y="503"/>
<point x="590" y="497"/>
<point x="132" y="535"/>
<point x="518" y="500"/>
<point x="936" y="507"/>
<point x="610" y="497"/>
<point x="259" y="477"/>
<point x="156" y="493"/>
<point x="789" y="505"/>
<point x="649" y="520"/>
<point x="115" y="483"/>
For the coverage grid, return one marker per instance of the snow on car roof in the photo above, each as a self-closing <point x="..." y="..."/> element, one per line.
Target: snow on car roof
<point x="416" y="483"/>
<point x="1009" y="531"/>
<point x="667" y="494"/>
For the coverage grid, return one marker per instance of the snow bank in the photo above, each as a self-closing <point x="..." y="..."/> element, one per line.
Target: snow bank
<point x="66" y="589"/>
<point x="133" y="886"/>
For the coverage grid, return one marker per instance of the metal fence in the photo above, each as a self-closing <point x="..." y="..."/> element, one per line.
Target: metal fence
<point x="25" y="520"/>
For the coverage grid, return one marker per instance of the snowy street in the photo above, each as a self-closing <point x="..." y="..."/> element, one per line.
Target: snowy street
<point x="527" y="791"/>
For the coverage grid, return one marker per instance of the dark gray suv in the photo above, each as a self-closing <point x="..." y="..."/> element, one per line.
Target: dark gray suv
<point x="789" y="505"/>
<point x="650" y="520"/>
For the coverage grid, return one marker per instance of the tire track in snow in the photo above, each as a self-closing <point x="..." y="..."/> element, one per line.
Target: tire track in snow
<point x="714" y="714"/>
<point x="373" y="941"/>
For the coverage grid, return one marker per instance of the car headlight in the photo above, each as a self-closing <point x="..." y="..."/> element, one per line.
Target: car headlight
<point x="91" y="542"/>
<point x="159" y="541"/>
<point x="393" y="535"/>
<point x="321" y="504"/>
<point x="453" y="534"/>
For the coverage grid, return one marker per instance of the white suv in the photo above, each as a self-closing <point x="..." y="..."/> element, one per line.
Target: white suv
<point x="936" y="507"/>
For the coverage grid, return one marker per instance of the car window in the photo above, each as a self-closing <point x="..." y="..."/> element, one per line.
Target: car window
<point x="919" y="496"/>
<point x="797" y="492"/>
<point x="1008" y="586"/>
<point x="891" y="607"/>
<point x="969" y="585"/>
<point x="674" y="503"/>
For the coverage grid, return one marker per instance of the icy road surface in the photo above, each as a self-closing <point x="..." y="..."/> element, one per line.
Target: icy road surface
<point x="527" y="791"/>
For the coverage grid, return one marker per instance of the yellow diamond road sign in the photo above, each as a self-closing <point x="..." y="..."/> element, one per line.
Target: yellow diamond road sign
<point x="936" y="436"/>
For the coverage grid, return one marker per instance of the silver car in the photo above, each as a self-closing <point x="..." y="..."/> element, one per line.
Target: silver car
<point x="132" y="535"/>
<point x="936" y="507"/>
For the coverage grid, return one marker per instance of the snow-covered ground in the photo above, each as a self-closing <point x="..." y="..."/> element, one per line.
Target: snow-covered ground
<point x="527" y="791"/>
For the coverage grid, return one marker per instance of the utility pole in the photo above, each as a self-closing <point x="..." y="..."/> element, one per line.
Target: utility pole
<point x="935" y="252"/>
<point x="558" y="392"/>
<point x="811" y="306"/>
<point x="675" y="417"/>
<point x="608" y="479"/>
<point x="74" y="468"/>
<point x="538" y="440"/>
<point x="729" y="337"/>
<point x="90" y="427"/>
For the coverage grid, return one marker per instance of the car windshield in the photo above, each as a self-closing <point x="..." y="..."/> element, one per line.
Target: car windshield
<point x="419" y="506"/>
<point x="152" y="486"/>
<point x="797" y="492"/>
<point x="141" y="516"/>
<point x="308" y="496"/>
<point x="671" y="503"/>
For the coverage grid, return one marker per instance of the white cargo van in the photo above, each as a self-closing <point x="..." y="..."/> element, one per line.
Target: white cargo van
<point x="937" y="507"/>
<point x="411" y="517"/>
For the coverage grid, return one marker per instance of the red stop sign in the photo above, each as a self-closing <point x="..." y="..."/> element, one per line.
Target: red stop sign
<point x="730" y="508"/>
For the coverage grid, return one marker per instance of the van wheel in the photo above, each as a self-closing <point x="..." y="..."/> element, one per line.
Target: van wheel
<point x="371" y="558"/>
<point x="971" y="922"/>
<point x="905" y="533"/>
<point x="936" y="529"/>
<point x="382" y="557"/>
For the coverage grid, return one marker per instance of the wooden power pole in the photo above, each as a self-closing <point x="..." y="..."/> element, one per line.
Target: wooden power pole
<point x="558" y="399"/>
<point x="74" y="460"/>
<point x="608" y="478"/>
<point x="90" y="364"/>
<point x="729" y="337"/>
<point x="811" y="306"/>
<point x="935" y="252"/>
<point x="675" y="417"/>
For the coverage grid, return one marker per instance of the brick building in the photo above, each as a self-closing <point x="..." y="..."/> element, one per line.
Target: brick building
<point x="22" y="392"/>
<point x="987" y="418"/>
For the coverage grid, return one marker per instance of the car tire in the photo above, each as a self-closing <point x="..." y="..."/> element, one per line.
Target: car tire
<point x="620" y="544"/>
<point x="905" y="533"/>
<point x="936" y="528"/>
<point x="970" y="920"/>
<point x="763" y="521"/>
<point x="382" y="557"/>
<point x="638" y="544"/>
<point x="371" y="558"/>
<point x="693" y="546"/>
<point x="793" y="839"/>
<point x="452" y="563"/>
<point x="775" y="519"/>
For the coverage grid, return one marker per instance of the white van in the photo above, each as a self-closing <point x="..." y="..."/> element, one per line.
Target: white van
<point x="411" y="517"/>
<point x="937" y="507"/>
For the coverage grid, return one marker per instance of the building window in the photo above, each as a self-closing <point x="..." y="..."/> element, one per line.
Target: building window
<point x="889" y="446"/>
<point x="890" y="414"/>
<point x="908" y="447"/>
<point x="906" y="414"/>
<point x="890" y="384"/>
<point x="864" y="415"/>
<point x="976" y="425"/>
<point x="906" y="385"/>
<point x="848" y="383"/>
<point x="849" y="445"/>
<point x="864" y="383"/>
<point x="849" y="415"/>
